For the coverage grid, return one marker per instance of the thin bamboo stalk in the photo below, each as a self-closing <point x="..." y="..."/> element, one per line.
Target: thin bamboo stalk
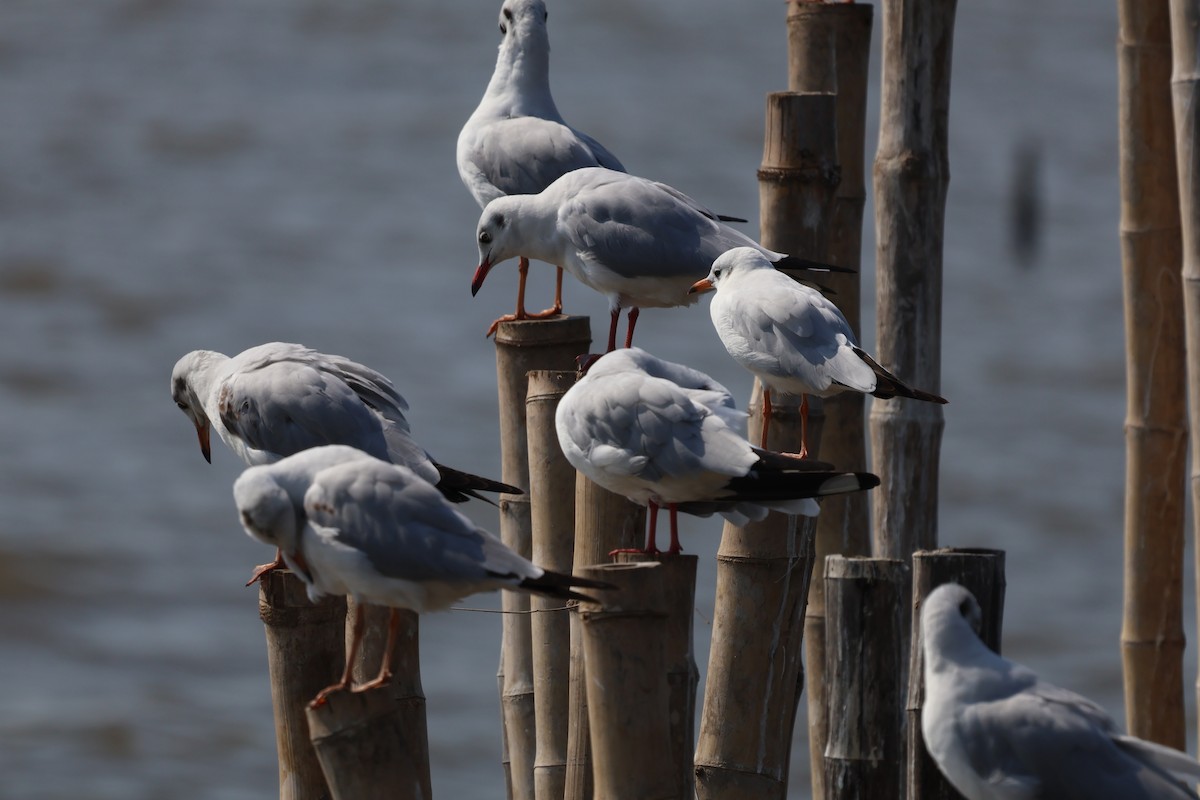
<point x="603" y="522"/>
<point x="982" y="573"/>
<point x="552" y="501"/>
<point x="866" y="601"/>
<point x="522" y="346"/>
<point x="911" y="175"/>
<point x="678" y="576"/>
<point x="763" y="569"/>
<point x="829" y="48"/>
<point x="623" y="639"/>
<point x="305" y="653"/>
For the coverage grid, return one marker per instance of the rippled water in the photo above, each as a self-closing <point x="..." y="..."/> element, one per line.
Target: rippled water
<point x="177" y="174"/>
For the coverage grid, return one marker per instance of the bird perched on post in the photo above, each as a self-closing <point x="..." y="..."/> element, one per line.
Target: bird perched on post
<point x="516" y="141"/>
<point x="277" y="399"/>
<point x="348" y="523"/>
<point x="640" y="243"/>
<point x="793" y="338"/>
<point x="663" y="434"/>
<point x="997" y="732"/>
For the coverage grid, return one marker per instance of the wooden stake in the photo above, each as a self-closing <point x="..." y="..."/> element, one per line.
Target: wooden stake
<point x="829" y="48"/>
<point x="305" y="653"/>
<point x="522" y="346"/>
<point x="866" y="605"/>
<point x="982" y="573"/>
<point x="628" y="703"/>
<point x="603" y="522"/>
<point x="1156" y="390"/>
<point x="911" y="175"/>
<point x="552" y="502"/>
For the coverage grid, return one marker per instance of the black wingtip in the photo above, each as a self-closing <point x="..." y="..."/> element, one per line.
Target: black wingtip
<point x="796" y="263"/>
<point x="724" y="218"/>
<point x="559" y="585"/>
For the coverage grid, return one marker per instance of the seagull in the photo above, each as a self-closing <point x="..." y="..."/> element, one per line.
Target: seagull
<point x="349" y="523"/>
<point x="516" y="142"/>
<point x="793" y="338"/>
<point x="663" y="434"/>
<point x="997" y="732"/>
<point x="638" y="242"/>
<point x="279" y="398"/>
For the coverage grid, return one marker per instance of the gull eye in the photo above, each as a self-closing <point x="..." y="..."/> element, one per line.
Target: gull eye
<point x="716" y="273"/>
<point x="182" y="405"/>
<point x="485" y="237"/>
<point x="545" y="16"/>
<point x="964" y="608"/>
<point x="508" y="14"/>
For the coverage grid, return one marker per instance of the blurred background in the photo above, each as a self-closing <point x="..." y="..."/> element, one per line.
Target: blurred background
<point x="181" y="174"/>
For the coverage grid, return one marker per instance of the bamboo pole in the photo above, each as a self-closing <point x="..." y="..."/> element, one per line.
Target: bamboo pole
<point x="911" y="175"/>
<point x="304" y="655"/>
<point x="866" y="602"/>
<point x="603" y="522"/>
<point x="552" y="502"/>
<point x="623" y="639"/>
<point x="678" y="576"/>
<point x="522" y="346"/>
<point x="764" y="568"/>
<point x="829" y="48"/>
<point x="1185" y="19"/>
<point x="982" y="573"/>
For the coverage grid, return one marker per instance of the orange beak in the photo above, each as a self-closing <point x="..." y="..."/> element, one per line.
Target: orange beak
<point x="202" y="435"/>
<point x="701" y="286"/>
<point x="480" y="274"/>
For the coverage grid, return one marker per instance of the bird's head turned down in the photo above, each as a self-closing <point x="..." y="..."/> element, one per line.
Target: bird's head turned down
<point x="517" y="16"/>
<point x="191" y="379"/>
<point x="948" y="603"/>
<point x="265" y="510"/>
<point x="492" y="237"/>
<point x="731" y="262"/>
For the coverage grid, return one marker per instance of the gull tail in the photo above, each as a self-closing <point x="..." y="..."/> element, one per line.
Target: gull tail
<point x="558" y="585"/>
<point x="798" y="264"/>
<point x="888" y="385"/>
<point x="458" y="486"/>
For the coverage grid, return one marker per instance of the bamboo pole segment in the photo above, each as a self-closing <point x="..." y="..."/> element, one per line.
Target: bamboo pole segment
<point x="764" y="568"/>
<point x="829" y="48"/>
<point x="305" y="653"/>
<point x="911" y="175"/>
<point x="623" y="641"/>
<point x="866" y="599"/>
<point x="678" y="576"/>
<point x="522" y="346"/>
<point x="552" y="509"/>
<point x="603" y="522"/>
<point x="982" y="573"/>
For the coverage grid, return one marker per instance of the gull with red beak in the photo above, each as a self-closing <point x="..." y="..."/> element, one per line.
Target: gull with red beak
<point x="638" y="242"/>
<point x="793" y="338"/>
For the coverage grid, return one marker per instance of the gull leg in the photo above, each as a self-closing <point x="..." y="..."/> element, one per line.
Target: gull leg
<point x="804" y="426"/>
<point x="766" y="414"/>
<point x="355" y="638"/>
<point x="612" y="330"/>
<point x="674" y="548"/>
<point x="652" y="511"/>
<point x="385" y="669"/>
<point x="522" y="275"/>
<point x="633" y="316"/>
<point x="556" y="309"/>
<point x="263" y="569"/>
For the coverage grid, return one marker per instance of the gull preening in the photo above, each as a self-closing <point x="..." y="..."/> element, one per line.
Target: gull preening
<point x="516" y="141"/>
<point x="279" y="398"/>
<point x="997" y="732"/>
<point x="348" y="523"/>
<point x="640" y="243"/>
<point x="663" y="434"/>
<point x="793" y="338"/>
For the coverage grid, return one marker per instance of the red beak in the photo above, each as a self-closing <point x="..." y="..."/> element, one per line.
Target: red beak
<point x="702" y="285"/>
<point x="480" y="274"/>
<point x="202" y="434"/>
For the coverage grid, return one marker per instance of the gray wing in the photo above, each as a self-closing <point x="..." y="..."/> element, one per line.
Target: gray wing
<point x="404" y="526"/>
<point x="1047" y="743"/>
<point x="639" y="228"/>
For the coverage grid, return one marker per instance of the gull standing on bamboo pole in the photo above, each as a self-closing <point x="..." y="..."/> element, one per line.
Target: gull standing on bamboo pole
<point x="277" y="399"/>
<point x="349" y="523"/>
<point x="516" y="142"/>
<point x="663" y="434"/>
<point x="997" y="732"/>
<point x="791" y="337"/>
<point x="638" y="242"/>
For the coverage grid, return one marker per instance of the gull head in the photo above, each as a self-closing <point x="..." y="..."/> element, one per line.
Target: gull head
<point x="732" y="262"/>
<point x="519" y="17"/>
<point x="191" y="382"/>
<point x="950" y="612"/>
<point x="495" y="237"/>
<point x="266" y="511"/>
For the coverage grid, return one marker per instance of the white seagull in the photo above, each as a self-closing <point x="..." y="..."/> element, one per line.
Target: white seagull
<point x="998" y="733"/>
<point x="793" y="338"/>
<point x="277" y="399"/>
<point x="348" y="523"/>
<point x="516" y="142"/>
<point x="663" y="434"/>
<point x="640" y="243"/>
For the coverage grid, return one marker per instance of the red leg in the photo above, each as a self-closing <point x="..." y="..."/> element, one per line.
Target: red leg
<point x="612" y="330"/>
<point x="385" y="669"/>
<point x="522" y="275"/>
<point x="766" y="414"/>
<point x="652" y="524"/>
<point x="804" y="426"/>
<point x="351" y="654"/>
<point x="633" y="315"/>
<point x="556" y="309"/>
<point x="263" y="569"/>
<point x="674" y="548"/>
